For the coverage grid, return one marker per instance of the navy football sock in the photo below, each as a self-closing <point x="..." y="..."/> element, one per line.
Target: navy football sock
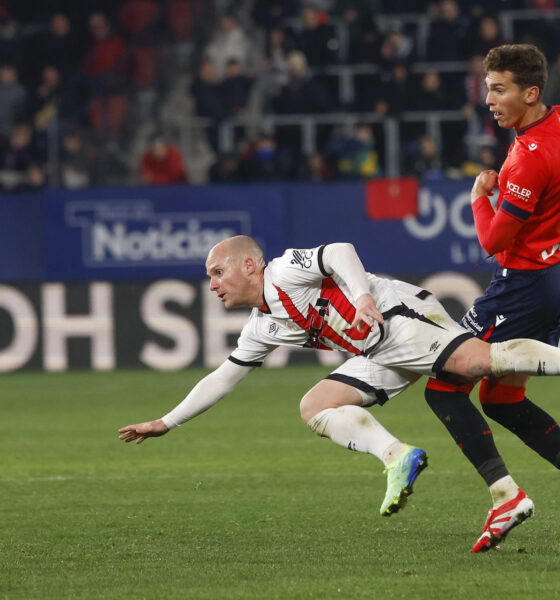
<point x="469" y="430"/>
<point x="531" y="424"/>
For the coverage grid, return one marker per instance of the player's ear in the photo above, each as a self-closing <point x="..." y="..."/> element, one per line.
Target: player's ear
<point x="250" y="265"/>
<point x="532" y="94"/>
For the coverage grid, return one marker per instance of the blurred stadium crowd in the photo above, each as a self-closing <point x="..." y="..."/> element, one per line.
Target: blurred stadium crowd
<point x="108" y="92"/>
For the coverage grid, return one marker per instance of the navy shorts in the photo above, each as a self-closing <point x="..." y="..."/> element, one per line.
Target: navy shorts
<point x="518" y="304"/>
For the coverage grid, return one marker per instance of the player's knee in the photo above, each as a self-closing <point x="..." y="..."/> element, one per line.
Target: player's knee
<point x="308" y="408"/>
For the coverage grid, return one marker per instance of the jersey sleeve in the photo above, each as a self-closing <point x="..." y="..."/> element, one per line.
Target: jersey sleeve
<point x="495" y="230"/>
<point x="255" y="343"/>
<point x="299" y="267"/>
<point x="526" y="179"/>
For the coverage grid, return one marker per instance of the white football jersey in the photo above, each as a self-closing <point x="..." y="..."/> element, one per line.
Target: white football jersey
<point x="306" y="306"/>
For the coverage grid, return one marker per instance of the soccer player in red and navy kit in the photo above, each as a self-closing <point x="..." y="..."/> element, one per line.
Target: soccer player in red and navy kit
<point x="523" y="298"/>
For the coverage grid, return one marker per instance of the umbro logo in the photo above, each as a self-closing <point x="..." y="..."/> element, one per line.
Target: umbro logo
<point x="273" y="328"/>
<point x="434" y="346"/>
<point x="500" y="319"/>
<point x="532" y="147"/>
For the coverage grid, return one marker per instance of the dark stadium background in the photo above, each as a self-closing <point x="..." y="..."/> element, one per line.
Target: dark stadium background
<point x="135" y="134"/>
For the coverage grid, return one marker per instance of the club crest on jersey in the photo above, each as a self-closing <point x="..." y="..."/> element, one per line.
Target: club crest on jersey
<point x="302" y="258"/>
<point x="519" y="192"/>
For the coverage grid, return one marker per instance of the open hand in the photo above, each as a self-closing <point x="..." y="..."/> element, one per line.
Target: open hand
<point x="141" y="431"/>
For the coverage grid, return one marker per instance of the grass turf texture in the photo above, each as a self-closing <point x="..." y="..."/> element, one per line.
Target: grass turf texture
<point x="245" y="502"/>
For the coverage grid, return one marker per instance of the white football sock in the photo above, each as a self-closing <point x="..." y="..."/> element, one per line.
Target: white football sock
<point x="524" y="356"/>
<point x="503" y="490"/>
<point x="356" y="429"/>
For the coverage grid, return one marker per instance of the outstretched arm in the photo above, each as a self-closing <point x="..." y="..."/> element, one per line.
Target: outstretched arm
<point x="205" y="394"/>
<point x="342" y="259"/>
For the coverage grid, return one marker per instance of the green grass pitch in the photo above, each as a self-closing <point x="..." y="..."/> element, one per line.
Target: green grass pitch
<point x="244" y="502"/>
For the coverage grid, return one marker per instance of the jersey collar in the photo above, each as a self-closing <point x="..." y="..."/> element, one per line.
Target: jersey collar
<point x="523" y="130"/>
<point x="265" y="308"/>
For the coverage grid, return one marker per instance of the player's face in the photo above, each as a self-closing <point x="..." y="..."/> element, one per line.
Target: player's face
<point x="227" y="277"/>
<point x="507" y="100"/>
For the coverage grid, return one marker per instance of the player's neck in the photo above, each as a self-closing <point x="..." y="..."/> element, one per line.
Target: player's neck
<point x="532" y="115"/>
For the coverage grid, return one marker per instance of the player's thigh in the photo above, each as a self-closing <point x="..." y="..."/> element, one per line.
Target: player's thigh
<point x="374" y="382"/>
<point x="328" y="393"/>
<point x="421" y="339"/>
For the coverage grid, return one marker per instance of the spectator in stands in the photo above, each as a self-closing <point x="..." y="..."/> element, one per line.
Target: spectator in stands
<point x="426" y="159"/>
<point x="396" y="48"/>
<point x="316" y="38"/>
<point x="229" y="41"/>
<point x="278" y="47"/>
<point x="105" y="55"/>
<point x="104" y="66"/>
<point x="261" y="161"/>
<point x="76" y="161"/>
<point x="489" y="36"/>
<point x="13" y="99"/>
<point x="20" y="154"/>
<point x="162" y="163"/>
<point x="236" y="88"/>
<point x="431" y="95"/>
<point x="353" y="155"/>
<point x="208" y="99"/>
<point x="486" y="160"/>
<point x="474" y="89"/>
<point x="316" y="168"/>
<point x="447" y="31"/>
<point x="60" y="46"/>
<point x="206" y="90"/>
<point x="395" y="95"/>
<point x="225" y="169"/>
<point x="363" y="36"/>
<point x="10" y="40"/>
<point x="302" y="94"/>
<point x="47" y="97"/>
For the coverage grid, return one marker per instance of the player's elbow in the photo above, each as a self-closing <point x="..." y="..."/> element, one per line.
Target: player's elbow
<point x="342" y="246"/>
<point x="494" y="247"/>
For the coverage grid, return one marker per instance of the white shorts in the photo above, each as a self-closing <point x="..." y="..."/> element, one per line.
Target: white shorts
<point x="415" y="342"/>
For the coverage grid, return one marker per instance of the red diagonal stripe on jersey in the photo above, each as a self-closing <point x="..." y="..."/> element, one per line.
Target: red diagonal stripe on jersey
<point x="336" y="297"/>
<point x="344" y="307"/>
<point x="331" y="334"/>
<point x="303" y="322"/>
<point x="292" y="311"/>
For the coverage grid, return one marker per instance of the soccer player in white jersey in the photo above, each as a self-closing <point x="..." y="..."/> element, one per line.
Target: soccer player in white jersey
<point x="323" y="298"/>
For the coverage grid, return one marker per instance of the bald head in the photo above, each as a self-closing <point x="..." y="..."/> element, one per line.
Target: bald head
<point x="236" y="270"/>
<point x="238" y="248"/>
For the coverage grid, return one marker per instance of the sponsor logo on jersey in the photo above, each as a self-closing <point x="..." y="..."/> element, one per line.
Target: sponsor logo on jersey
<point x="521" y="193"/>
<point x="302" y="258"/>
<point x="500" y="319"/>
<point x="533" y="146"/>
